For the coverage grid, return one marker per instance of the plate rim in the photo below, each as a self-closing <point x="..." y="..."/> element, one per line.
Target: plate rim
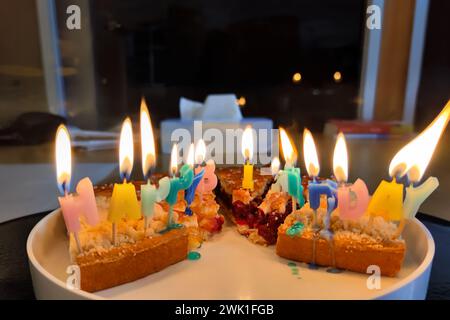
<point x="426" y="263"/>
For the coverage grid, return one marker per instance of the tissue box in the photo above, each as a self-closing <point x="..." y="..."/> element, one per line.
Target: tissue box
<point x="197" y="129"/>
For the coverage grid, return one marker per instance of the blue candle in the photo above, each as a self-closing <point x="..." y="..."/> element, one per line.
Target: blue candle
<point x="176" y="184"/>
<point x="190" y="192"/>
<point x="316" y="189"/>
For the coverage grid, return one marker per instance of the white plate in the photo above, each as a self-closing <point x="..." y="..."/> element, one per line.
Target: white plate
<point x="231" y="268"/>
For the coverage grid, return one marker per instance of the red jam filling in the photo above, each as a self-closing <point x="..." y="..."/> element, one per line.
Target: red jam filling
<point x="267" y="224"/>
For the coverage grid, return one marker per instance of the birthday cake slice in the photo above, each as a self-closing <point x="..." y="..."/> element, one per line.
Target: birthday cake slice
<point x="350" y="245"/>
<point x="136" y="253"/>
<point x="256" y="213"/>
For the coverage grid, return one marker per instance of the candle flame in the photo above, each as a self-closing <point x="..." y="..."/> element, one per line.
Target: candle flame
<point x="414" y="158"/>
<point x="287" y="147"/>
<point x="200" y="151"/>
<point x="275" y="165"/>
<point x="190" y="156"/>
<point x="310" y="154"/>
<point x="63" y="155"/>
<point x="147" y="140"/>
<point x="174" y="160"/>
<point x="340" y="159"/>
<point x="126" y="154"/>
<point x="247" y="144"/>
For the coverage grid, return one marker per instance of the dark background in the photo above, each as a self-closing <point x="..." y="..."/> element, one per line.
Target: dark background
<point x="168" y="49"/>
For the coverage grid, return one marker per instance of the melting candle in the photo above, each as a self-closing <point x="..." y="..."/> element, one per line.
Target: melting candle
<point x="177" y="184"/>
<point x="209" y="180"/>
<point x="413" y="160"/>
<point x="124" y="202"/>
<point x="150" y="194"/>
<point x="352" y="198"/>
<point x="316" y="189"/>
<point x="291" y="173"/>
<point x="72" y="207"/>
<point x="198" y="175"/>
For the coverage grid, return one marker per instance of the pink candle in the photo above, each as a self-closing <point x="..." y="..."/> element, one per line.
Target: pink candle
<point x="73" y="206"/>
<point x="69" y="205"/>
<point x="353" y="200"/>
<point x="209" y="181"/>
<point x="71" y="212"/>
<point x="86" y="201"/>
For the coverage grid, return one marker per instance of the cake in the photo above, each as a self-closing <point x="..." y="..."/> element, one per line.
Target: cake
<point x="264" y="215"/>
<point x="260" y="222"/>
<point x="140" y="253"/>
<point x="230" y="179"/>
<point x="350" y="245"/>
<point x="258" y="213"/>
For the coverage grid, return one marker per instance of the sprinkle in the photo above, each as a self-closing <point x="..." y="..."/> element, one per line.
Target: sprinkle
<point x="193" y="255"/>
<point x="295" y="229"/>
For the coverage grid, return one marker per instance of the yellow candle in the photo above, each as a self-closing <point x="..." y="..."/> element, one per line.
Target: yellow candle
<point x="387" y="201"/>
<point x="247" y="152"/>
<point x="247" y="181"/>
<point x="124" y="203"/>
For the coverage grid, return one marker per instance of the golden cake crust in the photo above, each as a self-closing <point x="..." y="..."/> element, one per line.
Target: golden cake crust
<point x="129" y="262"/>
<point x="356" y="246"/>
<point x="349" y="254"/>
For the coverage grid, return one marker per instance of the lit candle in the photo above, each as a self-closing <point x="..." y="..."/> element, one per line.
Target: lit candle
<point x="352" y="198"/>
<point x="150" y="194"/>
<point x="73" y="207"/>
<point x="315" y="189"/>
<point x="295" y="188"/>
<point x="281" y="183"/>
<point x="190" y="192"/>
<point x="275" y="166"/>
<point x="413" y="160"/>
<point x="177" y="184"/>
<point x="124" y="201"/>
<point x="209" y="180"/>
<point x="247" y="152"/>
<point x="387" y="200"/>
<point x="68" y="204"/>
